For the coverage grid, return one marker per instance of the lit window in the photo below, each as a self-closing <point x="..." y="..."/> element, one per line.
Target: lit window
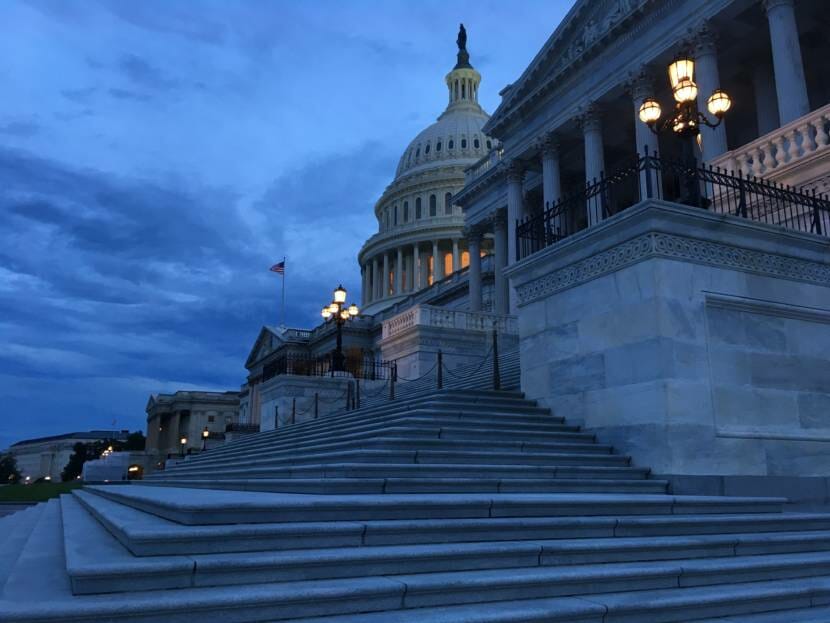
<point x="433" y="206"/>
<point x="465" y="259"/>
<point x="448" y="264"/>
<point x="448" y="203"/>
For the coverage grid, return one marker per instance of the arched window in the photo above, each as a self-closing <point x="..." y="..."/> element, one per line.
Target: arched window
<point x="426" y="149"/>
<point x="463" y="143"/>
<point x="438" y="146"/>
<point x="448" y="203"/>
<point x="489" y="144"/>
<point x="433" y="206"/>
<point x="395" y="214"/>
<point x="476" y="144"/>
<point x="418" y="207"/>
<point x="451" y="144"/>
<point x="463" y="90"/>
<point x="405" y="211"/>
<point x="465" y="259"/>
<point x="417" y="153"/>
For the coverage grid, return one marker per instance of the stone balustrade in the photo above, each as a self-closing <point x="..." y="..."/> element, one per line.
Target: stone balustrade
<point x="775" y="152"/>
<point x="485" y="164"/>
<point x="427" y="315"/>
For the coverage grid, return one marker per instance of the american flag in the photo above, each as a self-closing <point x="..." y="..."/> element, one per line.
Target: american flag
<point x="279" y="268"/>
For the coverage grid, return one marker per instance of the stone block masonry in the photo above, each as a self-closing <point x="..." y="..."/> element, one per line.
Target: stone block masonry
<point x="698" y="343"/>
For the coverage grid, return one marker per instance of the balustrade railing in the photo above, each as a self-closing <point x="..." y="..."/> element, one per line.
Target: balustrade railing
<point x="772" y="153"/>
<point x="429" y="316"/>
<point x="483" y="165"/>
<point x="360" y="367"/>
<point x="651" y="177"/>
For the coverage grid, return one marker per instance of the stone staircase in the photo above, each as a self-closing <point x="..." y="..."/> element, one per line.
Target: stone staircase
<point x="458" y="506"/>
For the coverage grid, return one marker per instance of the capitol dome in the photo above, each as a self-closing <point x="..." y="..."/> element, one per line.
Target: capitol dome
<point x="420" y="239"/>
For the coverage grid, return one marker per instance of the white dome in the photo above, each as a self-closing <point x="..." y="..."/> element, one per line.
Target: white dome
<point x="455" y="139"/>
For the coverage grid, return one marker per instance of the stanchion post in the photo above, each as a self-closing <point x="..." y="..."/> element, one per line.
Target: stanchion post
<point x="348" y="395"/>
<point x="293" y="409"/>
<point x="393" y="376"/>
<point x="496" y="375"/>
<point x="316" y="404"/>
<point x="440" y="365"/>
<point x="357" y="393"/>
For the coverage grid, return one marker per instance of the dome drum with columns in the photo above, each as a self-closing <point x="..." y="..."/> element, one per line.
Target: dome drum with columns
<point x="420" y="238"/>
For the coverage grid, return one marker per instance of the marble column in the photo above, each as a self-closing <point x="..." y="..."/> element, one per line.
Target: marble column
<point x="456" y="256"/>
<point x="501" y="294"/>
<point x="515" y="208"/>
<point x="375" y="280"/>
<point x="474" y="274"/>
<point x="417" y="282"/>
<point x="642" y="87"/>
<point x="363" y="286"/>
<point x="766" y="102"/>
<point x="786" y="58"/>
<point x="707" y="78"/>
<point x="594" y="157"/>
<point x="551" y="182"/>
<point x="437" y="262"/>
<point x="385" y="277"/>
<point x="399" y="272"/>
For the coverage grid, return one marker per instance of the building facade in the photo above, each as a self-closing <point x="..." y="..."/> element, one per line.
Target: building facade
<point x="46" y="457"/>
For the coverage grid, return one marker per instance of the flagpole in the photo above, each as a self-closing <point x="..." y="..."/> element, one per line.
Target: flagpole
<point x="283" y="292"/>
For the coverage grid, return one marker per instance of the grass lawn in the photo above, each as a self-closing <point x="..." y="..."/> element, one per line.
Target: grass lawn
<point x="39" y="492"/>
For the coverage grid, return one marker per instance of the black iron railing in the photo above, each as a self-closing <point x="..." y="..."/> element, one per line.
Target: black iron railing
<point x="360" y="367"/>
<point x="651" y="177"/>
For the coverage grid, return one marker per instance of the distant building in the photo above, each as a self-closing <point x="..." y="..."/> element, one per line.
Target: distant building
<point x="185" y="415"/>
<point x="45" y="457"/>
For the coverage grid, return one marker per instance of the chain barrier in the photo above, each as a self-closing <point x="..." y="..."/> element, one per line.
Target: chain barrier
<point x="418" y="378"/>
<point x="468" y="372"/>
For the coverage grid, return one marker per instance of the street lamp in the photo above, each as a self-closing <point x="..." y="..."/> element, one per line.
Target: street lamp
<point x="205" y="435"/>
<point x="686" y="119"/>
<point x="339" y="313"/>
<point x="182" y="443"/>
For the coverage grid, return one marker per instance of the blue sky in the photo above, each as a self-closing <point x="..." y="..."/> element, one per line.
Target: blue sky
<point x="156" y="157"/>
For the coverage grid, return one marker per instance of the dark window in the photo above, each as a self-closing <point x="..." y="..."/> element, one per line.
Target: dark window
<point x="463" y="90"/>
<point x="438" y="146"/>
<point x="418" y="207"/>
<point x="395" y="213"/>
<point x="426" y="149"/>
<point x="476" y="144"/>
<point x="417" y="153"/>
<point x="211" y="418"/>
<point x="433" y="205"/>
<point x="451" y="144"/>
<point x="463" y="143"/>
<point x="405" y="211"/>
<point x="448" y="203"/>
<point x="489" y="144"/>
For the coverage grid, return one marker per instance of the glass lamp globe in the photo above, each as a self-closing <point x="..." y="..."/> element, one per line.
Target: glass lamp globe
<point x="344" y="314"/>
<point x="205" y="433"/>
<point x="333" y="308"/>
<point x="683" y="68"/>
<point x="353" y="310"/>
<point x="719" y="103"/>
<point x="650" y="111"/>
<point x="685" y="91"/>
<point x="326" y="314"/>
<point x="340" y="294"/>
<point x="183" y="440"/>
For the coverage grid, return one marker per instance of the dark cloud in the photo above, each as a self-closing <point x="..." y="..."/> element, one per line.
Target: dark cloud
<point x="126" y="94"/>
<point x="79" y="96"/>
<point x="144" y="74"/>
<point x="22" y="129"/>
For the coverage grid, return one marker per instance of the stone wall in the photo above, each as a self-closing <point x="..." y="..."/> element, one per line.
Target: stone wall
<point x="698" y="343"/>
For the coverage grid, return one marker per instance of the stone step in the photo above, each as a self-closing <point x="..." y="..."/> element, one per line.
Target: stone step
<point x="818" y="614"/>
<point x="408" y="470"/>
<point x="16" y="529"/>
<point x="417" y="485"/>
<point x="146" y="534"/>
<point x="98" y="563"/>
<point x="201" y="507"/>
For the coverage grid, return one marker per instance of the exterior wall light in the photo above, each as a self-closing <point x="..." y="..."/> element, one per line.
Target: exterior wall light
<point x="719" y="103"/>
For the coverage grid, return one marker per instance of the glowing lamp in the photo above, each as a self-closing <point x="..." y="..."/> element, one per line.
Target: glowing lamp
<point x="205" y="433"/>
<point x="683" y="68"/>
<point x="340" y="294"/>
<point x="685" y="91"/>
<point x="326" y="314"/>
<point x="719" y="103"/>
<point x="353" y="310"/>
<point x="650" y="111"/>
<point x="333" y="308"/>
<point x="344" y="314"/>
<point x="183" y="440"/>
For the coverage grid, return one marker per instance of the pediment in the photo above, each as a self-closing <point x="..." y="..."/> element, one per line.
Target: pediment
<point x="267" y="341"/>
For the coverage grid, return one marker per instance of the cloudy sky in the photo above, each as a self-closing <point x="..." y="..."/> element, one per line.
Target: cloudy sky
<point x="156" y="157"/>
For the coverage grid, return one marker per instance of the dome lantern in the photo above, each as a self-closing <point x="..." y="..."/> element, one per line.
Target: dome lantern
<point x="463" y="80"/>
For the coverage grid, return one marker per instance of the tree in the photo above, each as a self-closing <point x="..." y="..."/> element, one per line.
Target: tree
<point x="8" y="469"/>
<point x="80" y="454"/>
<point x="83" y="452"/>
<point x="135" y="442"/>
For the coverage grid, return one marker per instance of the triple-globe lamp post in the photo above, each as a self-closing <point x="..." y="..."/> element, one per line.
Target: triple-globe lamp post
<point x="338" y="312"/>
<point x="686" y="119"/>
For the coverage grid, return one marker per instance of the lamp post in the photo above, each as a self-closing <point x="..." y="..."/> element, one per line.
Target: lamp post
<point x="182" y="443"/>
<point x="340" y="313"/>
<point x="686" y="119"/>
<point x="205" y="435"/>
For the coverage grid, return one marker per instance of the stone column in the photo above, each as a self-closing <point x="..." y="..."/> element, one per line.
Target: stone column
<point x="437" y="262"/>
<point x="707" y="78"/>
<point x="474" y="274"/>
<point x="501" y="294"/>
<point x="766" y="102"/>
<point x="551" y="183"/>
<point x="424" y="271"/>
<point x="642" y="87"/>
<point x="399" y="272"/>
<point x="385" y="276"/>
<point x="515" y="208"/>
<point x="363" y="272"/>
<point x="594" y="156"/>
<point x="417" y="283"/>
<point x="456" y="257"/>
<point x="786" y="57"/>
<point x="375" y="280"/>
